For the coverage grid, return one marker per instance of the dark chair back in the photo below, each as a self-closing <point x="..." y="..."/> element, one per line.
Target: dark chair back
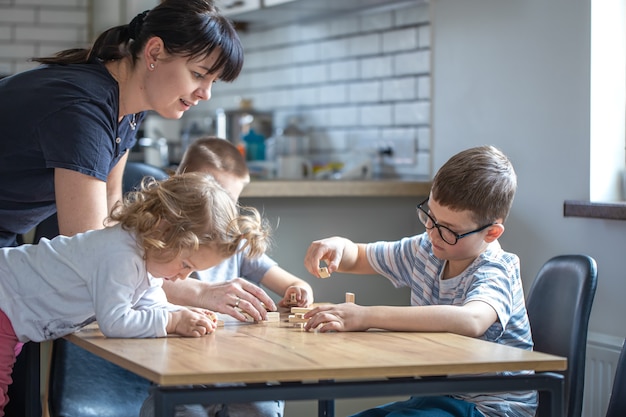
<point x="559" y="305"/>
<point x="617" y="403"/>
<point x="82" y="384"/>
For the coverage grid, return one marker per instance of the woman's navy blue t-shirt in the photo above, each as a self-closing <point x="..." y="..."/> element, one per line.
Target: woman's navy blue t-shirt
<point x="55" y="116"/>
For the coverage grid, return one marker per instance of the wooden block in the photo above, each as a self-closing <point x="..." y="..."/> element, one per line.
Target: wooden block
<point x="220" y="323"/>
<point x="294" y="318"/>
<point x="349" y="297"/>
<point x="273" y="316"/>
<point x="323" y="272"/>
<point x="296" y="310"/>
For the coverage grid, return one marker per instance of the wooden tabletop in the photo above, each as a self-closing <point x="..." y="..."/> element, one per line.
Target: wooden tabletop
<point x="262" y="352"/>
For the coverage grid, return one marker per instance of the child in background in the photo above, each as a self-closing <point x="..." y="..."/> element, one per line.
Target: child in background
<point x="166" y="230"/>
<point x="460" y="278"/>
<point x="221" y="159"/>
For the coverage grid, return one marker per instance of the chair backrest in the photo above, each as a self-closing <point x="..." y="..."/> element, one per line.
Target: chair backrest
<point x="134" y="172"/>
<point x="617" y="403"/>
<point x="559" y="305"/>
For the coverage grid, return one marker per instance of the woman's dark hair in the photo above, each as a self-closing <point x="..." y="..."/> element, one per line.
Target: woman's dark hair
<point x="188" y="28"/>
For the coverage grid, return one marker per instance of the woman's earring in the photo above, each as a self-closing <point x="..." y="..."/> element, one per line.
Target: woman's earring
<point x="151" y="66"/>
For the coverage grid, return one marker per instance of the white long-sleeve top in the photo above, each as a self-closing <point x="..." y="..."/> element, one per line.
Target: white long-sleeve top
<point x="58" y="286"/>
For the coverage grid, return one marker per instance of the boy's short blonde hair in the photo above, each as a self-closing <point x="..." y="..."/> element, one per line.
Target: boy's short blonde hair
<point x="481" y="180"/>
<point x="187" y="211"/>
<point x="212" y="154"/>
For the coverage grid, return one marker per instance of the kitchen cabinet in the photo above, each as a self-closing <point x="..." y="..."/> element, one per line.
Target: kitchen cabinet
<point x="281" y="12"/>
<point x="270" y="3"/>
<point x="232" y="7"/>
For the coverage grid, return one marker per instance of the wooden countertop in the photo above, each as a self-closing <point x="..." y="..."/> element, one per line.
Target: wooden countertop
<point x="330" y="188"/>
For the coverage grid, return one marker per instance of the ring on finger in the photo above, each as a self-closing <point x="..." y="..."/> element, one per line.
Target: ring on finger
<point x="237" y="302"/>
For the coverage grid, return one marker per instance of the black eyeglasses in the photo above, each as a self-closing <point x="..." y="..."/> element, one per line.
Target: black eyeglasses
<point x="449" y="236"/>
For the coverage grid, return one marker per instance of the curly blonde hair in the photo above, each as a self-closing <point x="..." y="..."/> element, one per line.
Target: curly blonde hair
<point x="187" y="211"/>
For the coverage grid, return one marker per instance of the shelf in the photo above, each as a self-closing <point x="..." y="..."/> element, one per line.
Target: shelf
<point x="596" y="210"/>
<point x="307" y="188"/>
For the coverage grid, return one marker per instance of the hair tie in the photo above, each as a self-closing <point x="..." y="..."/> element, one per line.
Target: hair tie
<point x="134" y="27"/>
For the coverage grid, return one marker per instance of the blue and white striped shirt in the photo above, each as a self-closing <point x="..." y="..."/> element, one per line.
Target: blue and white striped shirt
<point x="493" y="277"/>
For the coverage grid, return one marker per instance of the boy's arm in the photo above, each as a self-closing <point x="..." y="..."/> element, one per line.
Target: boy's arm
<point x="472" y="319"/>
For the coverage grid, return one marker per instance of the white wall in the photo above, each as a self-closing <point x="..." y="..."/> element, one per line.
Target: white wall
<point x="515" y="74"/>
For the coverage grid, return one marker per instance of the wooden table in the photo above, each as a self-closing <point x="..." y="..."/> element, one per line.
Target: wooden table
<point x="277" y="361"/>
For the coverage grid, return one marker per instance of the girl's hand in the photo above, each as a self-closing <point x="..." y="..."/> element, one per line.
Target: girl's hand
<point x="191" y="323"/>
<point x="346" y="317"/>
<point x="303" y="298"/>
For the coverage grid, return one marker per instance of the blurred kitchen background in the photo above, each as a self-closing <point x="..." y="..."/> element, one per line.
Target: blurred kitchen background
<point x="344" y="84"/>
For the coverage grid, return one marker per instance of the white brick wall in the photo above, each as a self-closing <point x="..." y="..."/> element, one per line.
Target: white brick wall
<point x="31" y="28"/>
<point x="358" y="80"/>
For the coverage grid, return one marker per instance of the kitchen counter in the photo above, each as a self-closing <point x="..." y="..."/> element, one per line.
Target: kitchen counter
<point x="332" y="188"/>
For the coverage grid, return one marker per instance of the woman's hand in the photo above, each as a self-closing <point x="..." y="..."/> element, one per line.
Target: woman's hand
<point x="239" y="294"/>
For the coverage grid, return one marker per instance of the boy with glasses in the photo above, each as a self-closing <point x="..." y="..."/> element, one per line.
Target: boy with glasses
<point x="460" y="278"/>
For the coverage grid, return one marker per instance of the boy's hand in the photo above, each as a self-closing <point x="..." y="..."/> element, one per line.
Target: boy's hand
<point x="196" y="323"/>
<point x="328" y="250"/>
<point x="346" y="317"/>
<point x="302" y="297"/>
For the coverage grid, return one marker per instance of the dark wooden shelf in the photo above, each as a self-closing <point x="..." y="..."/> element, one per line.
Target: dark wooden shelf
<point x="596" y="210"/>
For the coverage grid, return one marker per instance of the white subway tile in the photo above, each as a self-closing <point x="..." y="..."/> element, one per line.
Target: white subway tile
<point x="65" y="17"/>
<point x="365" y="92"/>
<point x="314" y="31"/>
<point x="333" y="94"/>
<point x="49" y="34"/>
<point x="412" y="15"/>
<point x="6" y="32"/>
<point x="376" y="21"/>
<point x="423" y="139"/>
<point x="305" y="96"/>
<point x="376" y="115"/>
<point x="423" y="36"/>
<point x="400" y="40"/>
<point x="306" y="53"/>
<point x="343" y="116"/>
<point x="412" y="63"/>
<point x="343" y="70"/>
<point x="377" y="67"/>
<point x="364" y="45"/>
<point x="15" y="16"/>
<point x="423" y="87"/>
<point x="317" y="73"/>
<point x="346" y="25"/>
<point x="417" y="113"/>
<point x="397" y="89"/>
<point x="333" y="49"/>
<point x="19" y="52"/>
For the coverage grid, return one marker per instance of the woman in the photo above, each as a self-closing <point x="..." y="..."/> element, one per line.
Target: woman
<point x="67" y="125"/>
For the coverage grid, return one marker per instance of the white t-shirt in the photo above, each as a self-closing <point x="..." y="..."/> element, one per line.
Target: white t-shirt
<point x="58" y="286"/>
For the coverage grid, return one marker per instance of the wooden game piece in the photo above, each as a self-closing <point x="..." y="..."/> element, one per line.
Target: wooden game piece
<point x="273" y="316"/>
<point x="323" y="272"/>
<point x="297" y="318"/>
<point x="219" y="323"/>
<point x="295" y="310"/>
<point x="349" y="297"/>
